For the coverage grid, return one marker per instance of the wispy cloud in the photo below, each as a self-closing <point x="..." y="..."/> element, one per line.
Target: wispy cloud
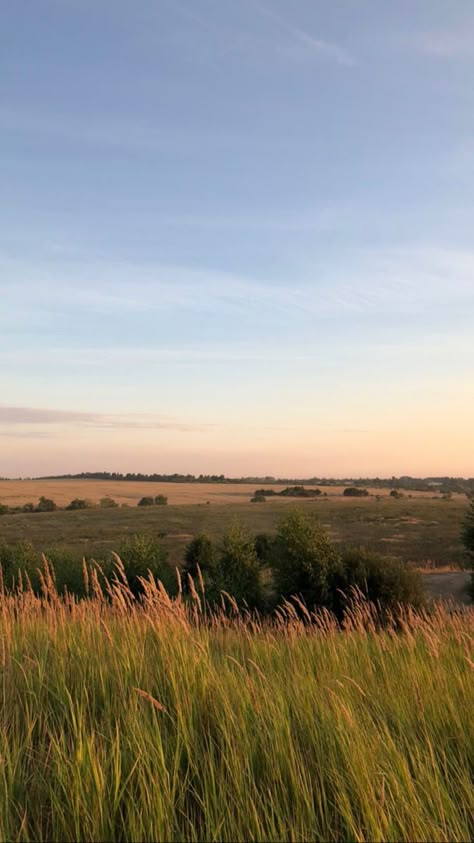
<point x="379" y="282"/>
<point x="12" y="417"/>
<point x="301" y="43"/>
<point x="249" y="39"/>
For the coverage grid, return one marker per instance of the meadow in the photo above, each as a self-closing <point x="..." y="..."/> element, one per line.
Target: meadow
<point x="423" y="529"/>
<point x="156" y="722"/>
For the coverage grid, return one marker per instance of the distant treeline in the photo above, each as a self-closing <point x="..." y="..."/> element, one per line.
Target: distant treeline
<point x="410" y="484"/>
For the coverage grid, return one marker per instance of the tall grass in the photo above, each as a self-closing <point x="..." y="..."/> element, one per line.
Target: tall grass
<point x="122" y="721"/>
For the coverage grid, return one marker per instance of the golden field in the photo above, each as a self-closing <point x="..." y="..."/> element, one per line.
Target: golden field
<point x="19" y="492"/>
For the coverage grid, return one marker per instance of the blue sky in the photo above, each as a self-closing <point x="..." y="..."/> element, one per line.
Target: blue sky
<point x="237" y="236"/>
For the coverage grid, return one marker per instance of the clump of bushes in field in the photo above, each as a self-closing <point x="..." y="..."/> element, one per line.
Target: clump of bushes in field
<point x="300" y="561"/>
<point x="260" y="495"/>
<point x="158" y="500"/>
<point x="355" y="492"/>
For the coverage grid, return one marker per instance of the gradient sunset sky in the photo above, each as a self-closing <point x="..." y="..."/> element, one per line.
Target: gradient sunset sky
<point x="237" y="236"/>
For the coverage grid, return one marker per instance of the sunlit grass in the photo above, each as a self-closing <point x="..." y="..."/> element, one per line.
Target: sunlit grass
<point x="157" y="722"/>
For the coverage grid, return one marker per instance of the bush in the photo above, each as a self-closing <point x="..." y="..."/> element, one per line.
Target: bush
<point x="161" y="500"/>
<point x="19" y="555"/>
<point x="467" y="534"/>
<point x="4" y="509"/>
<point x="200" y="551"/>
<point x="107" y="503"/>
<point x="396" y="494"/>
<point x="387" y="582"/>
<point x="147" y="501"/>
<point x="304" y="562"/>
<point x="28" y="507"/>
<point x="46" y="505"/>
<point x="258" y="498"/>
<point x="238" y="571"/>
<point x="263" y="546"/>
<point x="355" y="492"/>
<point x="79" y="503"/>
<point x="299" y="492"/>
<point x="141" y="553"/>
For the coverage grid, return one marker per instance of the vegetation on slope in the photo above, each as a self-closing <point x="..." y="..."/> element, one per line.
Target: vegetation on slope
<point x="150" y="722"/>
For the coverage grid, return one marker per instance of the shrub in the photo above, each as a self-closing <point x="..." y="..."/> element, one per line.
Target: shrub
<point x="146" y="501"/>
<point x="46" y="505"/>
<point x="107" y="503"/>
<point x="263" y="545"/>
<point x="467" y="534"/>
<point x="200" y="551"/>
<point x="4" y="509"/>
<point x="258" y="497"/>
<point x="161" y="500"/>
<point x="387" y="582"/>
<point x="28" y="507"/>
<point x="141" y="553"/>
<point x="299" y="492"/>
<point x="303" y="561"/>
<point x="355" y="492"/>
<point x="396" y="494"/>
<point x="238" y="571"/>
<point x="78" y="503"/>
<point x="19" y="555"/>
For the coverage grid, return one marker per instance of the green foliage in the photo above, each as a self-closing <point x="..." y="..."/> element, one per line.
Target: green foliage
<point x="28" y="507"/>
<point x="16" y="556"/>
<point x="143" y="552"/>
<point x="161" y="500"/>
<point x="146" y="501"/>
<point x="107" y="503"/>
<point x="468" y="532"/>
<point x="199" y="552"/>
<point x="355" y="492"/>
<point x="395" y="493"/>
<point x="258" y="498"/>
<point x="383" y="581"/>
<point x="304" y="561"/>
<point x="80" y="503"/>
<point x="263" y="545"/>
<point x="46" y="505"/>
<point x="4" y="509"/>
<point x="238" y="570"/>
<point x="299" y="492"/>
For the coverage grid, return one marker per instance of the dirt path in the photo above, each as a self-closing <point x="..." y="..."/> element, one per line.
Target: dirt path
<point x="450" y="585"/>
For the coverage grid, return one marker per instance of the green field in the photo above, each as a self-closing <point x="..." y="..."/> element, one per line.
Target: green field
<point x="420" y="530"/>
<point x="127" y="724"/>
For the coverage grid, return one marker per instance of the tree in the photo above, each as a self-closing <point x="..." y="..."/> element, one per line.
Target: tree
<point x="28" y="507"/>
<point x="258" y="497"/>
<point x="304" y="561"/>
<point x="467" y="534"/>
<point x="199" y="552"/>
<point x="46" y="505"/>
<point x="161" y="500"/>
<point x="238" y="570"/>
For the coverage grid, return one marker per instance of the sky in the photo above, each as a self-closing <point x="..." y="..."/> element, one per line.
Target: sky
<point x="237" y="237"/>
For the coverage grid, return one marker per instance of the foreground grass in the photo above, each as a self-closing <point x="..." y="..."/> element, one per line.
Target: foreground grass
<point x="134" y="723"/>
